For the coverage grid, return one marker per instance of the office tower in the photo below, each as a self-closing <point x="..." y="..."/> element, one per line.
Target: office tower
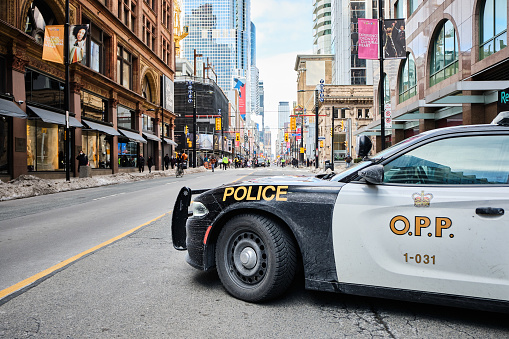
<point x="322" y="24"/>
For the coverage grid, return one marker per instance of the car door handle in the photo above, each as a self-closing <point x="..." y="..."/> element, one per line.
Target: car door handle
<point x="489" y="211"/>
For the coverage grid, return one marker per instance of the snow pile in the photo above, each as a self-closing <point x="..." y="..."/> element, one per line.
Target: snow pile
<point x="29" y="185"/>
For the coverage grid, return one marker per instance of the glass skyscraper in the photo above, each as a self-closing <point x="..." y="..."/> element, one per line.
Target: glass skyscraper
<point x="220" y="31"/>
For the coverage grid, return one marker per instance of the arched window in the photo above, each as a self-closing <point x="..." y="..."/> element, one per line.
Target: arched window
<point x="444" y="57"/>
<point x="493" y="34"/>
<point x="39" y="15"/>
<point x="407" y="79"/>
<point x="387" y="90"/>
<point x="147" y="92"/>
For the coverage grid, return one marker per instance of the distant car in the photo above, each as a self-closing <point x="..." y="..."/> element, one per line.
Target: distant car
<point x="423" y="220"/>
<point x="260" y="162"/>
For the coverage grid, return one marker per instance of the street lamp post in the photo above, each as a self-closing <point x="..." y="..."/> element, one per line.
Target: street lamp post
<point x="332" y="141"/>
<point x="316" y="128"/>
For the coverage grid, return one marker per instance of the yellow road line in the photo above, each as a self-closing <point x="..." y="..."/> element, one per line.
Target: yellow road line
<point x="64" y="263"/>
<point x="242" y="177"/>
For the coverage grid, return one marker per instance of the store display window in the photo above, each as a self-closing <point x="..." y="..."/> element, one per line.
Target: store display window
<point x="45" y="146"/>
<point x="97" y="147"/>
<point x="127" y="153"/>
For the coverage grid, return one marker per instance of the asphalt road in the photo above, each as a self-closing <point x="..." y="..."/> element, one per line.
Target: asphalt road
<point x="140" y="287"/>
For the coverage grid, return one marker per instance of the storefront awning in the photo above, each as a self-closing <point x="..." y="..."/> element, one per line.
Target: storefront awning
<point x="151" y="137"/>
<point x="53" y="117"/>
<point x="132" y="136"/>
<point x="170" y="142"/>
<point x="101" y="128"/>
<point x="10" y="109"/>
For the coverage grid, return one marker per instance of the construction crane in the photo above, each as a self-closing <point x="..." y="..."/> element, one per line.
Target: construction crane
<point x="179" y="33"/>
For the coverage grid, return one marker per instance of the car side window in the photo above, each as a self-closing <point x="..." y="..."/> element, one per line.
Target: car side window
<point x="471" y="160"/>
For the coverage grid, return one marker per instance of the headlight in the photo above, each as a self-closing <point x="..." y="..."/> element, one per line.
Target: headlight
<point x="198" y="209"/>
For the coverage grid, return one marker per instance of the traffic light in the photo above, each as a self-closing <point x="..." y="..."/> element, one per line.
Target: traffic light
<point x="186" y="129"/>
<point x="342" y="125"/>
<point x="237" y="137"/>
<point x="346" y="144"/>
<point x="286" y="137"/>
<point x="331" y="131"/>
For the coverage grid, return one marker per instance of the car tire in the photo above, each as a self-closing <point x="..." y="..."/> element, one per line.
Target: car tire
<point x="256" y="259"/>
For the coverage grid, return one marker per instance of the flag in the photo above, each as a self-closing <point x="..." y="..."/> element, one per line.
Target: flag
<point x="53" y="48"/>
<point x="368" y="39"/>
<point x="394" y="40"/>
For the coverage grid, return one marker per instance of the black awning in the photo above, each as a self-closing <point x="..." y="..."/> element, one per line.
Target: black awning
<point x="53" y="117"/>
<point x="132" y="136"/>
<point x="151" y="137"/>
<point x="10" y="109"/>
<point x="101" y="128"/>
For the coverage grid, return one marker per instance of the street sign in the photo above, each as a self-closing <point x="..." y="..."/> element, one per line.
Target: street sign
<point x="321" y="138"/>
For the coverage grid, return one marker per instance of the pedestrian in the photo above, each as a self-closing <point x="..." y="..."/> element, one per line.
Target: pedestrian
<point x="141" y="163"/>
<point x="225" y="162"/>
<point x="348" y="160"/>
<point x="213" y="163"/>
<point x="150" y="163"/>
<point x="173" y="161"/>
<point x="166" y="161"/>
<point x="82" y="160"/>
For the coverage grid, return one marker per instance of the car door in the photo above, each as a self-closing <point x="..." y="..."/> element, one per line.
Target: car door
<point x="438" y="223"/>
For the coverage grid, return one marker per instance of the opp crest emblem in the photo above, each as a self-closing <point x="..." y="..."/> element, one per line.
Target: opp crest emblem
<point x="422" y="199"/>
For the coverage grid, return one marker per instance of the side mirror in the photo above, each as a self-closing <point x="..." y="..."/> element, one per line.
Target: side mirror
<point x="364" y="145"/>
<point x="373" y="174"/>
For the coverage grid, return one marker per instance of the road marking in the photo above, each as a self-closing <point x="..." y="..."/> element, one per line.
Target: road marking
<point x="242" y="177"/>
<point x="108" y="196"/>
<point x="63" y="264"/>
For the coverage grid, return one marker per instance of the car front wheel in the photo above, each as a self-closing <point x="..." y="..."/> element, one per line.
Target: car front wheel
<point x="256" y="258"/>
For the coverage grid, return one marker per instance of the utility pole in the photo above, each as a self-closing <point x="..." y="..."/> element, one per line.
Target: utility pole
<point x="382" y="78"/>
<point x="316" y="128"/>
<point x="67" y="94"/>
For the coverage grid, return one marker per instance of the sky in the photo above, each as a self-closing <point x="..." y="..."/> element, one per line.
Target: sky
<point x="284" y="29"/>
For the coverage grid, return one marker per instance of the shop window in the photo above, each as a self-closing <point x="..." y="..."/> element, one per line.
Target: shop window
<point x="38" y="17"/>
<point x="97" y="147"/>
<point x="127" y="153"/>
<point x="45" y="146"/>
<point x="407" y="79"/>
<point x="125" y="117"/>
<point x="124" y="67"/>
<point x="93" y="106"/>
<point x="444" y="55"/>
<point x="44" y="90"/>
<point x="493" y="27"/>
<point x="4" y="145"/>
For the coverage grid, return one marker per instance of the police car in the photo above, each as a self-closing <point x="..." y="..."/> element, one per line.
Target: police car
<point x="423" y="220"/>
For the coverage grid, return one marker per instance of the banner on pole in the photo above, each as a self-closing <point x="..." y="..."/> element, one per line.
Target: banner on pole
<point x="53" y="49"/>
<point x="394" y="39"/>
<point x="78" y="35"/>
<point x="368" y="39"/>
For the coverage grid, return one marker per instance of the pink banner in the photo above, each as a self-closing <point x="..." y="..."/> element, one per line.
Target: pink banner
<point x="368" y="39"/>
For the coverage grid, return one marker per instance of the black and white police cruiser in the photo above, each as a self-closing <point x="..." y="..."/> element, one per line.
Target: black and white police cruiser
<point x="424" y="220"/>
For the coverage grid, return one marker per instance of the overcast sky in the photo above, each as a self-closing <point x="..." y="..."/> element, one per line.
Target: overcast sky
<point x="284" y="28"/>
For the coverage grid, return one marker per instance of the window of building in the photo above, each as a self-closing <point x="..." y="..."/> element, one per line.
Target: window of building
<point x="125" y="117"/>
<point x="166" y="19"/>
<point x="39" y="15"/>
<point x="413" y="4"/>
<point x="453" y="161"/>
<point x="44" y="90"/>
<point x="45" y="146"/>
<point x="358" y="76"/>
<point x="148" y="123"/>
<point x="166" y="51"/>
<point x="124" y="67"/>
<point x="150" y="3"/>
<point x="3" y="75"/>
<point x="97" y="147"/>
<point x="4" y="145"/>
<point x="493" y="27"/>
<point x="399" y="12"/>
<point x="94" y="106"/>
<point x="407" y="79"/>
<point x="146" y="90"/>
<point x="97" y="49"/>
<point x="366" y="113"/>
<point x="149" y="33"/>
<point x="127" y="153"/>
<point x="444" y="57"/>
<point x="126" y="13"/>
